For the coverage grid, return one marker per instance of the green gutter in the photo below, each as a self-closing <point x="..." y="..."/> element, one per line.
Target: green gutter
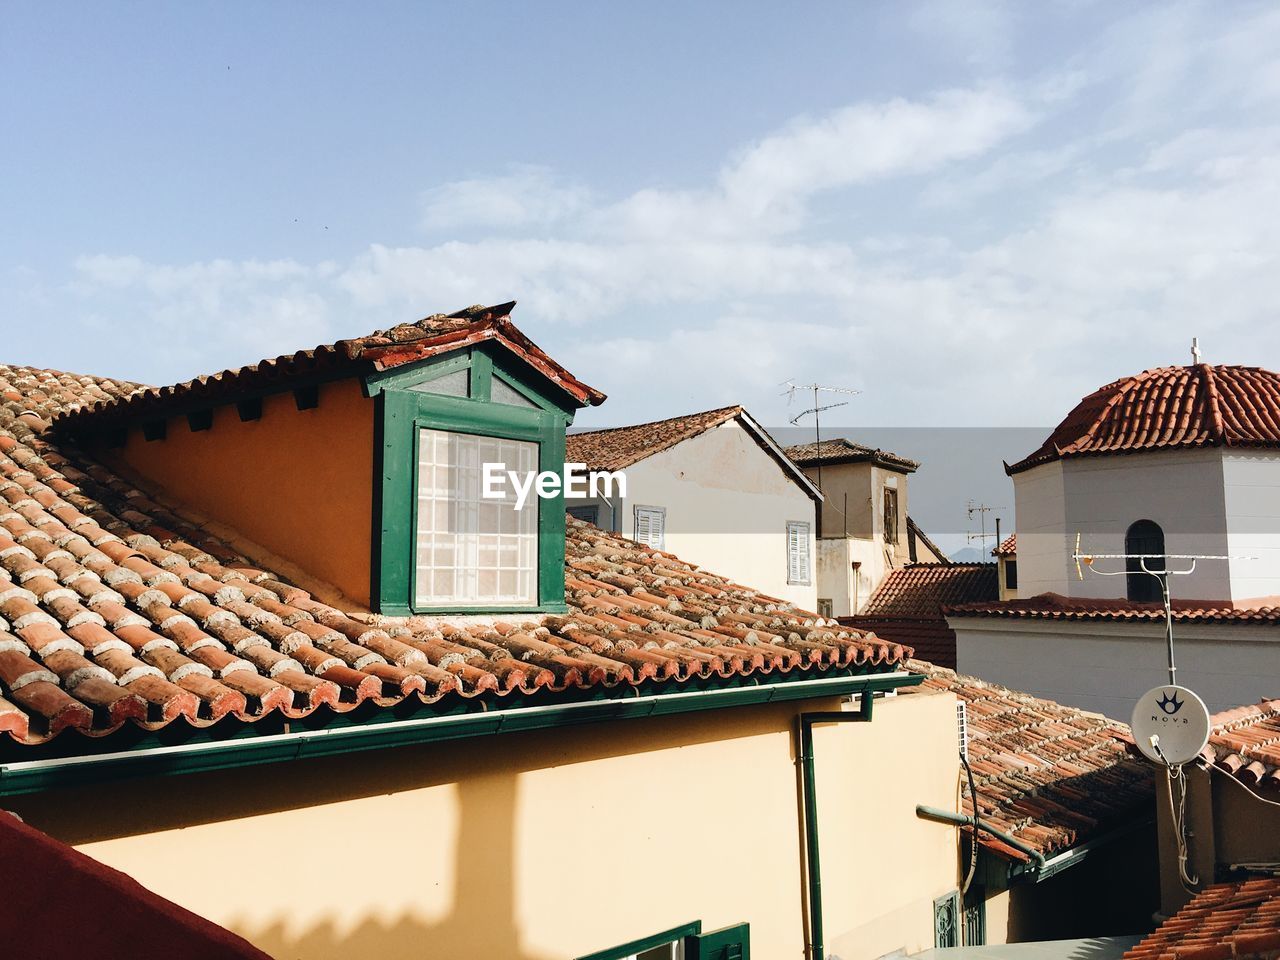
<point x="30" y="776"/>
<point x="960" y="820"/>
<point x="809" y="802"/>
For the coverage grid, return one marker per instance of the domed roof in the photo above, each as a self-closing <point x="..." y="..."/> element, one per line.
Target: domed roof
<point x="1169" y="408"/>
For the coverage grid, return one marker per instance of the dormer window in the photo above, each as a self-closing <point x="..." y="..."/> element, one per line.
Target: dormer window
<point x="445" y="545"/>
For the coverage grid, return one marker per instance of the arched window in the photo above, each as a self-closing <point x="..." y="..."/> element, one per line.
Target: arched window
<point x="1144" y="536"/>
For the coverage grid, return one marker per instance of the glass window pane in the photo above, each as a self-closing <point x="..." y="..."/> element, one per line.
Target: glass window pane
<point x="473" y="550"/>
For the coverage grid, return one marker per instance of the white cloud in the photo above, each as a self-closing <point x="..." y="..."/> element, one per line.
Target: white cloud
<point x="525" y="196"/>
<point x="967" y="256"/>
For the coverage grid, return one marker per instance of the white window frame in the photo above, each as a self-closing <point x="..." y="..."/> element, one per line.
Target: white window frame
<point x="651" y="514"/>
<point x="447" y="521"/>
<point x="799" y="553"/>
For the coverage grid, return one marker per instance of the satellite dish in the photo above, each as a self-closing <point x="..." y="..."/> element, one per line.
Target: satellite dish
<point x="1179" y="720"/>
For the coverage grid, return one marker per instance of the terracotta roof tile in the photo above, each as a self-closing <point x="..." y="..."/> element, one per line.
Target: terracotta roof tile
<point x="116" y="611"/>
<point x="908" y="605"/>
<point x="1169" y="408"/>
<point x="1227" y="920"/>
<point x="1054" y="606"/>
<point x="35" y="397"/>
<point x="841" y="450"/>
<point x="1245" y="742"/>
<point x="1008" y="547"/>
<point x="620" y="447"/>
<point x="380" y="350"/>
<point x="923" y="590"/>
<point x="1052" y="776"/>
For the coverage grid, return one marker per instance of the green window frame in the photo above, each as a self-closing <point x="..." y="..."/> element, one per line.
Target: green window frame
<point x="404" y="407"/>
<point x="727" y="943"/>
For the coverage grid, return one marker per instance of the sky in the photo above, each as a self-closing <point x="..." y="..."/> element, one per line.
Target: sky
<point x="971" y="213"/>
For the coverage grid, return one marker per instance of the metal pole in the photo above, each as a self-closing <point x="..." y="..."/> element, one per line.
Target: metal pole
<point x="1168" y="627"/>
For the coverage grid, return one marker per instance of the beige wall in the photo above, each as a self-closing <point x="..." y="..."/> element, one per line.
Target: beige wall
<point x="727" y="507"/>
<point x="548" y="844"/>
<point x="854" y="505"/>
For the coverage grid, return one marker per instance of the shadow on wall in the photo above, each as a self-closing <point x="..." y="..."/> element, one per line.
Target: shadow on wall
<point x="484" y="860"/>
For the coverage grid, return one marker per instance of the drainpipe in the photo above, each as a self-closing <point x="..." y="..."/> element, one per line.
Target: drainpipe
<point x="809" y="804"/>
<point x="960" y="820"/>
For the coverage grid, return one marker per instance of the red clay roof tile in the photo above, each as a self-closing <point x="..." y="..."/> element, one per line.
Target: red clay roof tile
<point x="1240" y="920"/>
<point x="1052" y="776"/>
<point x="115" y="610"/>
<point x="380" y="350"/>
<point x="1054" y="606"/>
<point x="1169" y="408"/>
<point x="620" y="447"/>
<point x="841" y="450"/>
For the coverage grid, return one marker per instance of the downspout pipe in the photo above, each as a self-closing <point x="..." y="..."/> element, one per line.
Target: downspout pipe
<point x="809" y="803"/>
<point x="960" y="820"/>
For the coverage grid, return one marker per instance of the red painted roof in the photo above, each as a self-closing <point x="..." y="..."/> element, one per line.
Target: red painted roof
<point x="59" y="904"/>
<point x="1052" y="776"/>
<point x="117" y="610"/>
<point x="1245" y="742"/>
<point x="1227" y="920"/>
<point x="1054" y="606"/>
<point x="1169" y="408"/>
<point x="380" y="350"/>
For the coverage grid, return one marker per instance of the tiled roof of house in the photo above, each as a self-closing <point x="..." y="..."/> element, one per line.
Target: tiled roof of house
<point x="1054" y="606"/>
<point x="619" y="447"/>
<point x="1049" y="775"/>
<point x="68" y="906"/>
<point x="922" y="590"/>
<point x="115" y="610"/>
<point x="1008" y="547"/>
<point x="932" y="640"/>
<point x="36" y="396"/>
<point x="1226" y="920"/>
<point x="1245" y="742"/>
<point x="380" y="350"/>
<point x="840" y="450"/>
<point x="1169" y="408"/>
<point x="909" y="603"/>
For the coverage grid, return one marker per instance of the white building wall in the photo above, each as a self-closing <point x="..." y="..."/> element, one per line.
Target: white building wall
<point x="727" y="507"/>
<point x="1099" y="497"/>
<point x="1106" y="667"/>
<point x="1040" y="508"/>
<point x="1251" y="482"/>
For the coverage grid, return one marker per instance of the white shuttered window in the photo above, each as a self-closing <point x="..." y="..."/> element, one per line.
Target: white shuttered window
<point x="651" y="525"/>
<point x="798" y="563"/>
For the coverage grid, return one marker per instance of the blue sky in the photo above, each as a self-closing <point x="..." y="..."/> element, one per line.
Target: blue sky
<point x="973" y="213"/>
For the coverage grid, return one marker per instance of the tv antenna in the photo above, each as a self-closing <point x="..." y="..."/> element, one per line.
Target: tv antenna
<point x="790" y="393"/>
<point x="1170" y="724"/>
<point x="1162" y="573"/>
<point x="981" y="509"/>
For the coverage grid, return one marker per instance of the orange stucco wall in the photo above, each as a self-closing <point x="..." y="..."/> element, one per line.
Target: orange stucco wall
<point x="297" y="482"/>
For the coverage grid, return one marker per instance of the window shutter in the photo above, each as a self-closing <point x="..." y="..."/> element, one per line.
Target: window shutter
<point x="798" y="552"/>
<point x="727" y="943"/>
<point x="651" y="527"/>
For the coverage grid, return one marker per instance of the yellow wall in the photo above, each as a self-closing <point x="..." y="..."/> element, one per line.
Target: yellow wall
<point x="549" y="844"/>
<point x="297" y="482"/>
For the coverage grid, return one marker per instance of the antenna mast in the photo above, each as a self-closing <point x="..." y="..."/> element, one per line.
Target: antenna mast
<point x="982" y="509"/>
<point x="816" y="410"/>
